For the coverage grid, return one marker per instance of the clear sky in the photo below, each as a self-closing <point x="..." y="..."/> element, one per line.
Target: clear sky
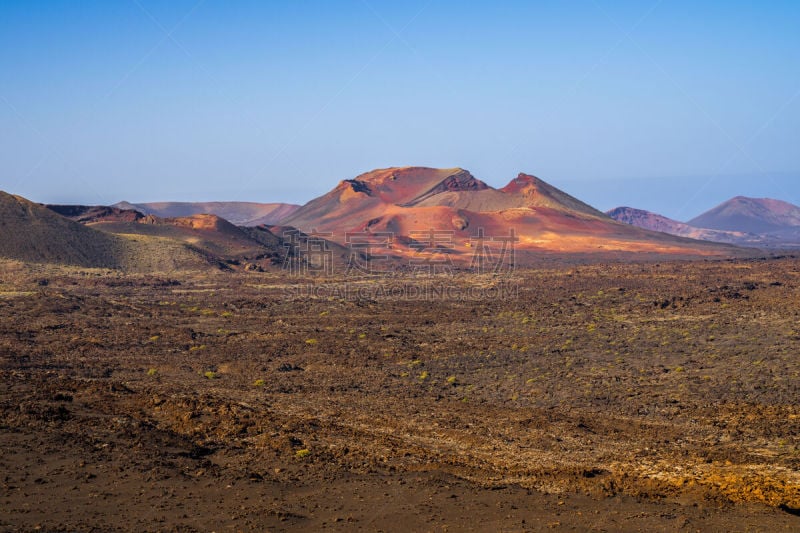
<point x="667" y="105"/>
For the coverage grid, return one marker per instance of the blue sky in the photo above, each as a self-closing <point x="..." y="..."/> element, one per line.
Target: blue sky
<point x="672" y="106"/>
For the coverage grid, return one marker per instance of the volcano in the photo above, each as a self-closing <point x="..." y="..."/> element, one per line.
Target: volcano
<point x="406" y="200"/>
<point x="752" y="215"/>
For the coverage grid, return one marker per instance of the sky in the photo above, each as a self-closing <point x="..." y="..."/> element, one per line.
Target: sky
<point x="671" y="105"/>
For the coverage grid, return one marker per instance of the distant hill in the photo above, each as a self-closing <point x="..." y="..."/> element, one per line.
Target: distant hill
<point x="752" y="222"/>
<point x="406" y="200"/>
<point x="31" y="232"/>
<point x="648" y="220"/>
<point x="85" y="214"/>
<point x="238" y="213"/>
<point x="753" y="215"/>
<point x="655" y="222"/>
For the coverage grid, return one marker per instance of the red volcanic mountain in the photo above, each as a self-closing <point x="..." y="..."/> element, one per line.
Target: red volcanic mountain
<point x="238" y="213"/>
<point x="378" y="197"/>
<point x="393" y="199"/>
<point x="413" y="199"/>
<point x="753" y="215"/>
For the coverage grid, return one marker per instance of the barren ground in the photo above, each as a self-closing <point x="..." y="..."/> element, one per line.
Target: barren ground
<point x="608" y="397"/>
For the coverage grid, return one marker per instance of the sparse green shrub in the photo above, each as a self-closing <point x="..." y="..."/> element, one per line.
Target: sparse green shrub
<point x="302" y="453"/>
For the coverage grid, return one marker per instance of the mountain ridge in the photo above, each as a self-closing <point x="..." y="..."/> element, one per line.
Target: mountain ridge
<point x="238" y="213"/>
<point x="405" y="203"/>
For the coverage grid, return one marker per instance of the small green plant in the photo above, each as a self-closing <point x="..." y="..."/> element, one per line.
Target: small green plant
<point x="154" y="338"/>
<point x="302" y="453"/>
<point x="197" y="348"/>
<point x="152" y="372"/>
<point x="424" y="375"/>
<point x="226" y="314"/>
<point x="210" y="374"/>
<point x="451" y="380"/>
<point x="259" y="383"/>
<point x="311" y="341"/>
<point x="362" y="335"/>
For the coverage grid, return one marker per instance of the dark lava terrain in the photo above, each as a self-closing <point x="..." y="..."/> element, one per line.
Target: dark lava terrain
<point x="589" y="397"/>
